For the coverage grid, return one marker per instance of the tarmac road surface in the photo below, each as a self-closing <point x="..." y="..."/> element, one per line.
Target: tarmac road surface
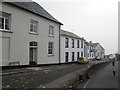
<point x="104" y="78"/>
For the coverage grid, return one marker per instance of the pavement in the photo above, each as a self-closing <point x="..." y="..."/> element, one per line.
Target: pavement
<point x="104" y="78"/>
<point x="43" y="77"/>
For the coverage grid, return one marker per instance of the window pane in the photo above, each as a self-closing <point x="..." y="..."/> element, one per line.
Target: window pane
<point x="51" y="30"/>
<point x="34" y="26"/>
<point x="1" y="23"/>
<point x="33" y="43"/>
<point x="6" y="24"/>
<point x="31" y="28"/>
<point x="50" y="48"/>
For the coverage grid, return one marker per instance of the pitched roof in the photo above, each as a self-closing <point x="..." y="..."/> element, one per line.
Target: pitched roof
<point x="95" y="44"/>
<point x="70" y="34"/>
<point x="34" y="8"/>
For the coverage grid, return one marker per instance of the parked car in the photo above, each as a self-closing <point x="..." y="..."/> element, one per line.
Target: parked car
<point x="82" y="60"/>
<point x="112" y="57"/>
<point x="91" y="58"/>
<point x="97" y="58"/>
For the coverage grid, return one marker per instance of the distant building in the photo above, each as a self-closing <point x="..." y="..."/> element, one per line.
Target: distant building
<point x="86" y="49"/>
<point x="72" y="47"/>
<point x="93" y="50"/>
<point x="89" y="50"/>
<point x="99" y="50"/>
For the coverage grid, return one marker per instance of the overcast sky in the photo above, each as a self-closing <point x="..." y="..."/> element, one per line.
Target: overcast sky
<point x="95" y="20"/>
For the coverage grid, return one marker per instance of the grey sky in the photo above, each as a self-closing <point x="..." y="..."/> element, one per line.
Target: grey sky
<point x="95" y="20"/>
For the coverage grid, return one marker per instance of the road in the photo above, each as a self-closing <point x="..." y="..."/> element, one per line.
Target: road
<point x="104" y="78"/>
<point x="40" y="77"/>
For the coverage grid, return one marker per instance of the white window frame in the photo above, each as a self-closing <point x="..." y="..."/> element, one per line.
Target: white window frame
<point x="82" y="54"/>
<point x="33" y="46"/>
<point x="34" y="25"/>
<point x="78" y="44"/>
<point x="67" y="55"/>
<point x="51" y="48"/>
<point x="82" y="45"/>
<point x="73" y="56"/>
<point x="73" y="43"/>
<point x="66" y="42"/>
<point x="51" y="30"/>
<point x="4" y="29"/>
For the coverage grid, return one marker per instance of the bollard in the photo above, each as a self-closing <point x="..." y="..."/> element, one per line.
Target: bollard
<point x="113" y="63"/>
<point x="81" y="78"/>
<point x="88" y="76"/>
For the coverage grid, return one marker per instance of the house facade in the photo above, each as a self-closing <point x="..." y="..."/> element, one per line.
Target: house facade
<point x="99" y="50"/>
<point x="72" y="47"/>
<point x="86" y="49"/>
<point x="29" y="35"/>
<point x="93" y="50"/>
<point x="89" y="50"/>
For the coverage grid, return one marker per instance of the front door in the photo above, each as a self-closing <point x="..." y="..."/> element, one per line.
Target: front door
<point x="33" y="56"/>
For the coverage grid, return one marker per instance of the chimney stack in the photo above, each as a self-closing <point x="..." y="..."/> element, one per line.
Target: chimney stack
<point x="90" y="41"/>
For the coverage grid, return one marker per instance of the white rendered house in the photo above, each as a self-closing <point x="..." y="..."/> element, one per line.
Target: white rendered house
<point x="28" y="35"/>
<point x="99" y="50"/>
<point x="72" y="47"/>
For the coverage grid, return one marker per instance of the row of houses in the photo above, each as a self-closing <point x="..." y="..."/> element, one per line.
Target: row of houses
<point x="30" y="35"/>
<point x="73" y="47"/>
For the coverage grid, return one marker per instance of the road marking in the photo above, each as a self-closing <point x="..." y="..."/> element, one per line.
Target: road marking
<point x="86" y="83"/>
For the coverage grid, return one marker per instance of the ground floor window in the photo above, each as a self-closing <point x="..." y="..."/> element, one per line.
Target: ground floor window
<point x="81" y="54"/>
<point x="73" y="56"/>
<point x="50" y="48"/>
<point x="78" y="55"/>
<point x="66" y="56"/>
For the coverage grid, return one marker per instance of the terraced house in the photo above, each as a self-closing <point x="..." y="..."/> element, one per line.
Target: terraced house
<point x="72" y="47"/>
<point x="29" y="35"/>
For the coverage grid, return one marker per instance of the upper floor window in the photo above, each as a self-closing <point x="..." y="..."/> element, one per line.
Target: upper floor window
<point x="66" y="43"/>
<point x="33" y="26"/>
<point x="77" y="43"/>
<point x="5" y="21"/>
<point x="51" y="30"/>
<point x="81" y="44"/>
<point x="50" y="48"/>
<point x="72" y="43"/>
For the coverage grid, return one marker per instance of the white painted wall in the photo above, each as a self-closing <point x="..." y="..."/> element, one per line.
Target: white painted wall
<point x="70" y="49"/>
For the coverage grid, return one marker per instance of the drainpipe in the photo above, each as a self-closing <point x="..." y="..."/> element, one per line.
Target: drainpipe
<point x="59" y="45"/>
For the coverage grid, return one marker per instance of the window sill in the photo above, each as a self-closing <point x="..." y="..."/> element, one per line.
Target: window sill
<point x="7" y="31"/>
<point x="50" y="36"/>
<point x="50" y="55"/>
<point x="66" y="47"/>
<point x="33" y="33"/>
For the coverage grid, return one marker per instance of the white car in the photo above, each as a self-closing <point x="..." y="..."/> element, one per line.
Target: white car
<point x="98" y="58"/>
<point x="111" y="57"/>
